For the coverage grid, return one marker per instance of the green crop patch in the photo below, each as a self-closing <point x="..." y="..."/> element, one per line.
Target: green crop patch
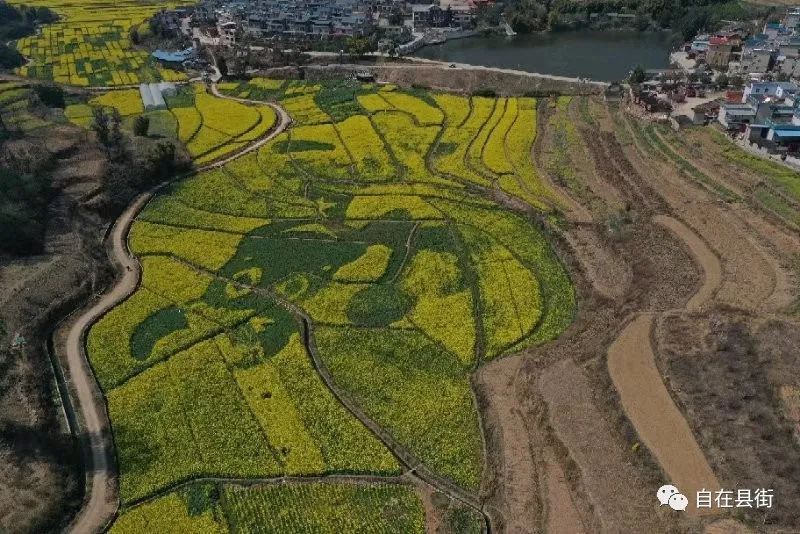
<point x="158" y="325"/>
<point x="378" y="305"/>
<point x="419" y="392"/>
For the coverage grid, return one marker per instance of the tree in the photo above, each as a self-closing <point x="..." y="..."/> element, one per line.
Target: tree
<point x="736" y="81"/>
<point x="160" y="162"/>
<point x="396" y="16"/>
<point x="358" y="46"/>
<point x="51" y="96"/>
<point x="553" y="19"/>
<point x="141" y="125"/>
<point x="121" y="183"/>
<point x="722" y="81"/>
<point x="134" y="34"/>
<point x="782" y="77"/>
<point x="222" y="65"/>
<point x="241" y="56"/>
<point x="642" y="20"/>
<point x="101" y="125"/>
<point x="108" y="129"/>
<point x="116" y="138"/>
<point x="637" y="75"/>
<point x="10" y="58"/>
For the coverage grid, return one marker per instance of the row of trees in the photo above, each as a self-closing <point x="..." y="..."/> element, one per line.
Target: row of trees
<point x="17" y="22"/>
<point x="685" y="17"/>
<point x="238" y="59"/>
<point x="134" y="164"/>
<point x="722" y="81"/>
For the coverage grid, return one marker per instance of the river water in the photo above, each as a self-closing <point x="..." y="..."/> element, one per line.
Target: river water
<point x="605" y="56"/>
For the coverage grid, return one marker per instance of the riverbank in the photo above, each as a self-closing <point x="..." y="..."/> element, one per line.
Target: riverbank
<point x="454" y="77"/>
<point x="597" y="55"/>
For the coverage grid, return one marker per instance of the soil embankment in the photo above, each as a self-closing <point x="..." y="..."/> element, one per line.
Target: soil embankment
<point x="460" y="79"/>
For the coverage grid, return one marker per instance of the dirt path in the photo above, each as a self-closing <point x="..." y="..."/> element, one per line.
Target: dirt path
<point x="712" y="270"/>
<point x="101" y="504"/>
<point x="651" y="410"/>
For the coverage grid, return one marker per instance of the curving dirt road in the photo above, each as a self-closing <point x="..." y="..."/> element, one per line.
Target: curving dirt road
<point x="101" y="504"/>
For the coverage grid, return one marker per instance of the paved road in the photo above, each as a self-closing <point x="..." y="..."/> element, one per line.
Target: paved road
<point x="101" y="503"/>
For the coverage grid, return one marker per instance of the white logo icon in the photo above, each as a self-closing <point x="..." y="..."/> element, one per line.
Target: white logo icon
<point x="678" y="502"/>
<point x="670" y="495"/>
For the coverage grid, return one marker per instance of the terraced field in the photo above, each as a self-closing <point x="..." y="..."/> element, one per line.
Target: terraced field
<point x="318" y="307"/>
<point x="210" y="127"/>
<point x="91" y="44"/>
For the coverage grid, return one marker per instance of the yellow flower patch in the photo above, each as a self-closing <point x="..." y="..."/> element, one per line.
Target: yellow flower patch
<point x="367" y="268"/>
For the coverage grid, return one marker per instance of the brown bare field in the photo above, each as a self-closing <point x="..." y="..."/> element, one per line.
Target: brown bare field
<point x="712" y="271"/>
<point x="40" y="484"/>
<point x="658" y="422"/>
<point x="684" y="299"/>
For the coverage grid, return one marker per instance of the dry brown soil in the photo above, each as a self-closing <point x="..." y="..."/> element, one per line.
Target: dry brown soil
<point x="658" y="422"/>
<point x="645" y="387"/>
<point x="40" y="474"/>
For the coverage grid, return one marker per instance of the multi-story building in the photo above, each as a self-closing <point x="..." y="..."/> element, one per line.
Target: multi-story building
<point x="757" y="91"/>
<point x="719" y="53"/>
<point x="757" y="59"/>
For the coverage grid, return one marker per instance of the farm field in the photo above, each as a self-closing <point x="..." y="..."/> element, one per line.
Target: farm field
<point x="235" y="357"/>
<point x="300" y="507"/>
<point x="672" y="232"/>
<point x="90" y="45"/>
<point x="210" y="128"/>
<point x="412" y="308"/>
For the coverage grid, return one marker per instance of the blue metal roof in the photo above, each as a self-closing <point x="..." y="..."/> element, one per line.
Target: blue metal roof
<point x="786" y="133"/>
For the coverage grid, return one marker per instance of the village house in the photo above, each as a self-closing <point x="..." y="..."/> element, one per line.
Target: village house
<point x="736" y="116"/>
<point x="792" y="18"/>
<point x="756" y="60"/>
<point x="719" y="53"/>
<point x="761" y="90"/>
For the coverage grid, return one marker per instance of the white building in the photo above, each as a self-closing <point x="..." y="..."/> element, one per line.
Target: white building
<point x="227" y="33"/>
<point x="736" y="116"/>
<point x="761" y="90"/>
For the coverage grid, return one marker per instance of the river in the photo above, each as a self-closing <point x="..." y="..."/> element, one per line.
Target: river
<point x="599" y="55"/>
